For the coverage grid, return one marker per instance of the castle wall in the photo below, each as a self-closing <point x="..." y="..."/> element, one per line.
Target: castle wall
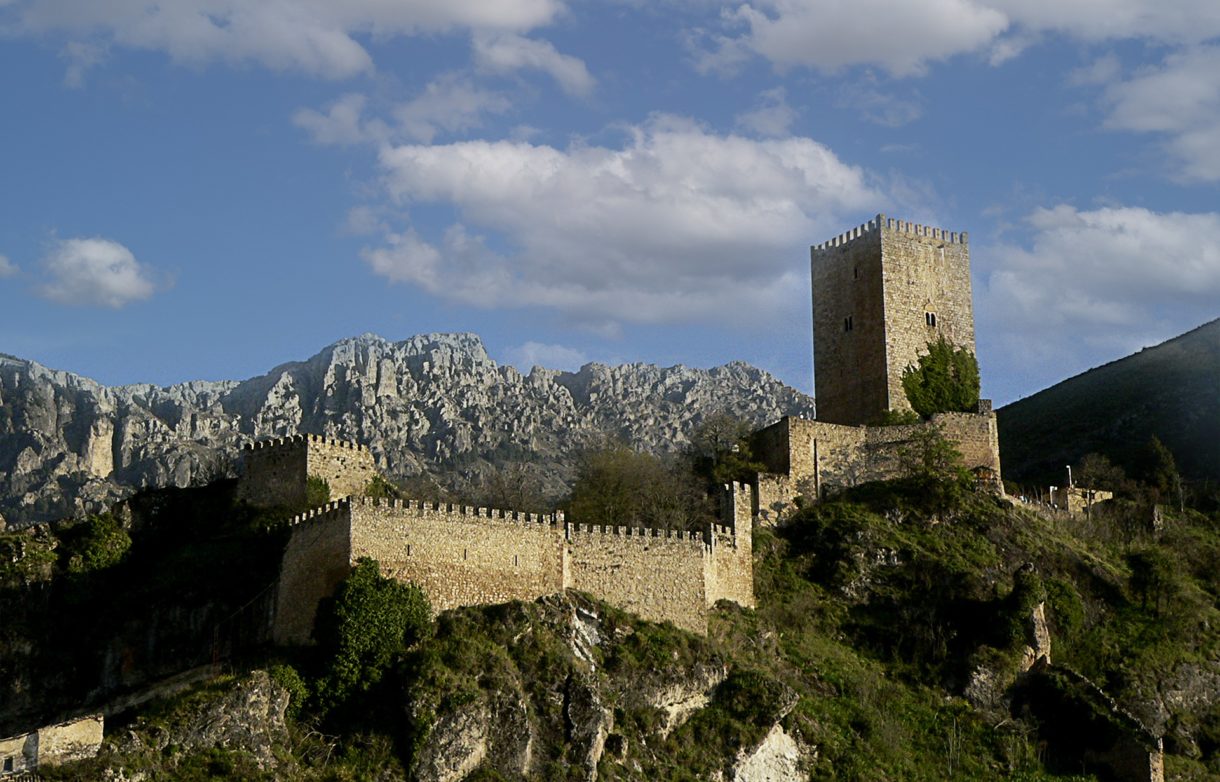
<point x="346" y="467"/>
<point x="276" y="470"/>
<point x="460" y="555"/>
<point x="316" y="559"/>
<point x="823" y="457"/>
<point x="729" y="573"/>
<point x="660" y="577"/>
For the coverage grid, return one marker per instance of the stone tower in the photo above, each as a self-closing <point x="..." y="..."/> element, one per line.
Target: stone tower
<point x="881" y="293"/>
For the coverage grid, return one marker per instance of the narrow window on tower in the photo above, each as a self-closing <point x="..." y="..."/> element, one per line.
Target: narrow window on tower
<point x="855" y="273"/>
<point x="930" y="318"/>
<point x="847" y="325"/>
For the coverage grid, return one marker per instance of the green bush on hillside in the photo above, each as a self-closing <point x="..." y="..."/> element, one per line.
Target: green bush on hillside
<point x="364" y="629"/>
<point x="317" y="491"/>
<point x="96" y="543"/>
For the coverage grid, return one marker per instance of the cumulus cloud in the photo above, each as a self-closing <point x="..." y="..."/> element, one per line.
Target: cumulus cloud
<point x="539" y="354"/>
<point x="1180" y="99"/>
<point x="1094" y="285"/>
<point x="676" y="225"/>
<point x="506" y="52"/>
<point x="94" y="272"/>
<point x="450" y="104"/>
<point x="7" y="268"/>
<point x="318" y="37"/>
<point x="827" y="35"/>
<point x="904" y="38"/>
<point x="771" y="117"/>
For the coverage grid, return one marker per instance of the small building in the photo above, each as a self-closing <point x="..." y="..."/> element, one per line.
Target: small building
<point x="1077" y="499"/>
<point x="62" y="742"/>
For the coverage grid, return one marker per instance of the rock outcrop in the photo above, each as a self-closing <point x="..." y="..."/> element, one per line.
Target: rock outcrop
<point x="429" y="405"/>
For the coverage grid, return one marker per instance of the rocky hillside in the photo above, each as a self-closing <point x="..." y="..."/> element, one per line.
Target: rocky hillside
<point x="1169" y="391"/>
<point x="433" y="404"/>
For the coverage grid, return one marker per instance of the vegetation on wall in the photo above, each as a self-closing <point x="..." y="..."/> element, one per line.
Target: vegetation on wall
<point x="616" y="485"/>
<point x="946" y="379"/>
<point x="317" y="491"/>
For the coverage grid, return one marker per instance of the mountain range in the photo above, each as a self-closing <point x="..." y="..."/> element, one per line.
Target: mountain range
<point x="433" y="405"/>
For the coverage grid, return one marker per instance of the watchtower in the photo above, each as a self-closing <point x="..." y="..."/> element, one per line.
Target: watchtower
<point x="881" y="293"/>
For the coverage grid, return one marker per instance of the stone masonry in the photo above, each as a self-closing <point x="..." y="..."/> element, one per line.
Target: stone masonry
<point x="51" y="745"/>
<point x="815" y="458"/>
<point x="473" y="556"/>
<point x="275" y="471"/>
<point x="881" y="293"/>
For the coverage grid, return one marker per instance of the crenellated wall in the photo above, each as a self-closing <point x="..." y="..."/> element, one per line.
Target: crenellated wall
<point x="474" y="556"/>
<point x="275" y="471"/>
<point x="816" y="458"/>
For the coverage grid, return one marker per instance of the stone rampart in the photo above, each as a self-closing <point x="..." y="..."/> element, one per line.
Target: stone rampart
<point x="461" y="555"/>
<point x="275" y="471"/>
<point x="318" y="556"/>
<point x="657" y="575"/>
<point x="816" y="458"/>
<point x="474" y="556"/>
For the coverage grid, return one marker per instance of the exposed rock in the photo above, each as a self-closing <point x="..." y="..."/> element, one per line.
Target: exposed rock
<point x="430" y="404"/>
<point x="248" y="717"/>
<point x="1038" y="638"/>
<point x="589" y="723"/>
<point x="780" y="757"/>
<point x="456" y="745"/>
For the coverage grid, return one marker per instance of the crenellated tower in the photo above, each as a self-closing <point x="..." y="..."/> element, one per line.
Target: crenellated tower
<point x="882" y="292"/>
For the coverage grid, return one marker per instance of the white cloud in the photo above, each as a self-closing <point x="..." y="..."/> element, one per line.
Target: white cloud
<point x="883" y="108"/>
<point x="313" y="36"/>
<point x="677" y="225"/>
<point x="342" y="122"/>
<point x="7" y="268"/>
<point x="1181" y="99"/>
<point x="538" y="354"/>
<point x="904" y="38"/>
<point x="827" y="35"/>
<point x="449" y="104"/>
<point x="771" y="117"/>
<point x="94" y="272"/>
<point x="506" y="52"/>
<point x="1095" y="285"/>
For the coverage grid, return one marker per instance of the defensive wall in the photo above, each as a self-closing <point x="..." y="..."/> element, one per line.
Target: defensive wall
<point x="461" y="555"/>
<point x="816" y="458"/>
<point x="54" y="744"/>
<point x="275" y="471"/>
<point x="881" y="292"/>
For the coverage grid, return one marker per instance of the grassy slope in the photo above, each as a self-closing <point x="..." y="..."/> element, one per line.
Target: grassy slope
<point x="1169" y="391"/>
<point x="874" y="616"/>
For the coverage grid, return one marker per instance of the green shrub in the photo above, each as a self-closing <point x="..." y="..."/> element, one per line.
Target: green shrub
<point x="379" y="488"/>
<point x="945" y="380"/>
<point x="317" y="491"/>
<point x="364" y="628"/>
<point x="96" y="543"/>
<point x="287" y="677"/>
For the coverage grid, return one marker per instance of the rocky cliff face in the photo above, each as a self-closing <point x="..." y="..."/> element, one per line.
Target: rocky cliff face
<point x="432" y="404"/>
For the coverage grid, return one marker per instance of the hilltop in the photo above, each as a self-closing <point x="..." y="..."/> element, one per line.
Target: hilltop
<point x="434" y="407"/>
<point x="1168" y="391"/>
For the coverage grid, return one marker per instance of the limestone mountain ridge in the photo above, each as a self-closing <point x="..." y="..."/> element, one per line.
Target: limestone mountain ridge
<point x="432" y="404"/>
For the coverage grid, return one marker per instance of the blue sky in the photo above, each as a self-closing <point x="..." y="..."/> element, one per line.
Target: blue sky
<point x="202" y="189"/>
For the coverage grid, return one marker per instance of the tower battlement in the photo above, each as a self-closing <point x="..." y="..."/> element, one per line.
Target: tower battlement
<point x="881" y="292"/>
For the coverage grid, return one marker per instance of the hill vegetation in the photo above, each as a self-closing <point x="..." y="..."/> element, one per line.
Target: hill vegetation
<point x="891" y="626"/>
<point x="1167" y="391"/>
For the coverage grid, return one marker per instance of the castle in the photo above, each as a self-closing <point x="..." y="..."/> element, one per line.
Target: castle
<point x="881" y="293"/>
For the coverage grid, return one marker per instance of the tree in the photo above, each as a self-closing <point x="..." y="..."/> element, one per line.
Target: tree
<point x="1163" y="473"/>
<point x="618" y="486"/>
<point x="720" y="450"/>
<point x="945" y="380"/>
<point x="1095" y="471"/>
<point x="364" y="628"/>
